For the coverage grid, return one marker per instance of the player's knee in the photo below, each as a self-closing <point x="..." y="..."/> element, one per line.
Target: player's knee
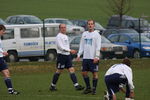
<point x="71" y="70"/>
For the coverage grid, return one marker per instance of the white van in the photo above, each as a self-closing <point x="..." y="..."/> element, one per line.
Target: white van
<point x="27" y="41"/>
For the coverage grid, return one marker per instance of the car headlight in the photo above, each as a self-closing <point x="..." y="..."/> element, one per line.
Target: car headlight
<point x="146" y="48"/>
<point x="106" y="49"/>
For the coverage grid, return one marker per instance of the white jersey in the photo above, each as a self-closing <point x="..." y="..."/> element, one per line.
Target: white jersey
<point x="62" y="42"/>
<point x="90" y="45"/>
<point x="1" y="50"/>
<point x="123" y="70"/>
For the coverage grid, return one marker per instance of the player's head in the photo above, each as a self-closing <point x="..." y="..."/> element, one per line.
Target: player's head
<point x="91" y="25"/>
<point x="2" y="29"/>
<point x="126" y="61"/>
<point x="62" y="28"/>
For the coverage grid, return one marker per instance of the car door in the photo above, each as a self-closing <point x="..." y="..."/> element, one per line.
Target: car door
<point x="126" y="40"/>
<point x="30" y="42"/>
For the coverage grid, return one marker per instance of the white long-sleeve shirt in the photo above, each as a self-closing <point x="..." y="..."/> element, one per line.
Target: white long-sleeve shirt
<point x="1" y="49"/>
<point x="123" y="70"/>
<point x="62" y="42"/>
<point x="90" y="45"/>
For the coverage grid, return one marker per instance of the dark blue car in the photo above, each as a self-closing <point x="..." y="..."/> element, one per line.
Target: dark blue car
<point x="131" y="40"/>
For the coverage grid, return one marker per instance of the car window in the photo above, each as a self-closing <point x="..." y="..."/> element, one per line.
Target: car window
<point x="19" y="21"/>
<point x="12" y="20"/>
<point x="104" y="40"/>
<point x="50" y="31"/>
<point x="9" y="34"/>
<point x="29" y="33"/>
<point x="114" y="38"/>
<point x="123" y="38"/>
<point x="135" y="38"/>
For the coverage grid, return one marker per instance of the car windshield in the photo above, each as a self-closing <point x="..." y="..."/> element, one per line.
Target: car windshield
<point x="127" y="31"/>
<point x="2" y="22"/>
<point x="104" y="40"/>
<point x="98" y="26"/>
<point x="135" y="38"/>
<point x="32" y="20"/>
<point x="143" y="23"/>
<point x="67" y="22"/>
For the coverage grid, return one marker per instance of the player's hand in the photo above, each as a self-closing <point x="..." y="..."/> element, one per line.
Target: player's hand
<point x="5" y="53"/>
<point x="96" y="60"/>
<point x="78" y="59"/>
<point x="73" y="51"/>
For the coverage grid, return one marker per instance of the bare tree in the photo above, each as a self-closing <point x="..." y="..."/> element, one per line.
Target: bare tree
<point x="119" y="7"/>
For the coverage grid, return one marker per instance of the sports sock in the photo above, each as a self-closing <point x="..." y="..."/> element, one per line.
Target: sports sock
<point x="87" y="81"/>
<point x="74" y="79"/>
<point x="95" y="80"/>
<point x="8" y="83"/>
<point x="55" y="78"/>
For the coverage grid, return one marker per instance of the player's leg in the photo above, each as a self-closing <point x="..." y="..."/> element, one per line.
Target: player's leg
<point x="94" y="70"/>
<point x="55" y="79"/>
<point x="85" y="69"/>
<point x="71" y="70"/>
<point x="95" y="81"/>
<point x="74" y="79"/>
<point x="60" y="66"/>
<point x="8" y="82"/>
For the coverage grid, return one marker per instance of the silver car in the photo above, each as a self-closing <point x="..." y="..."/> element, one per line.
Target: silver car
<point x="108" y="49"/>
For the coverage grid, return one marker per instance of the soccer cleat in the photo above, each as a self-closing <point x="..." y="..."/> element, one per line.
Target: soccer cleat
<point x="79" y="87"/>
<point x="87" y="90"/>
<point x="106" y="96"/>
<point x="93" y="92"/>
<point x="13" y="92"/>
<point x="53" y="88"/>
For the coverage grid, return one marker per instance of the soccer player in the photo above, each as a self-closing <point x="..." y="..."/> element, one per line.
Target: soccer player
<point x="3" y="66"/>
<point x="90" y="46"/>
<point x="64" y="59"/>
<point x="116" y="77"/>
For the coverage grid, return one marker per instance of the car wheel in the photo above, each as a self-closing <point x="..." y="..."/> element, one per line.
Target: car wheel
<point x="136" y="54"/>
<point x="51" y="55"/>
<point x="12" y="57"/>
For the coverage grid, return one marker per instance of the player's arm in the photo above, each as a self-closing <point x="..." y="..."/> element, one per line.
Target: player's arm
<point x="98" y="47"/>
<point x="81" y="48"/>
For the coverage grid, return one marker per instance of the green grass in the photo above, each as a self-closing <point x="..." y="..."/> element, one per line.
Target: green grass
<point x="32" y="79"/>
<point x="72" y="9"/>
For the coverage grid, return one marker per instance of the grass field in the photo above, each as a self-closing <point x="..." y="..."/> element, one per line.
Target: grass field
<point x="72" y="9"/>
<point x="32" y="79"/>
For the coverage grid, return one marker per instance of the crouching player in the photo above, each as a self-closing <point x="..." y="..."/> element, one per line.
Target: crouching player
<point x="116" y="77"/>
<point x="3" y="66"/>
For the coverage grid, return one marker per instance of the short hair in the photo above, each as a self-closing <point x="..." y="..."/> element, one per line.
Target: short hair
<point x="90" y="20"/>
<point x="60" y="25"/>
<point x="126" y="61"/>
<point x="2" y="27"/>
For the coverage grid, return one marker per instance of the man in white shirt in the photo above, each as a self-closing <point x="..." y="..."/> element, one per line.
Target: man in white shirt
<point x="64" y="59"/>
<point x="3" y="66"/>
<point x="90" y="46"/>
<point x="116" y="77"/>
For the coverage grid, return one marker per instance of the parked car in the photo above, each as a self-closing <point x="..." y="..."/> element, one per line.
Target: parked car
<point x="133" y="44"/>
<point x="23" y="19"/>
<point x="2" y="22"/>
<point x="108" y="32"/>
<point x="70" y="26"/>
<point x="108" y="50"/>
<point x="129" y="22"/>
<point x="83" y="23"/>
